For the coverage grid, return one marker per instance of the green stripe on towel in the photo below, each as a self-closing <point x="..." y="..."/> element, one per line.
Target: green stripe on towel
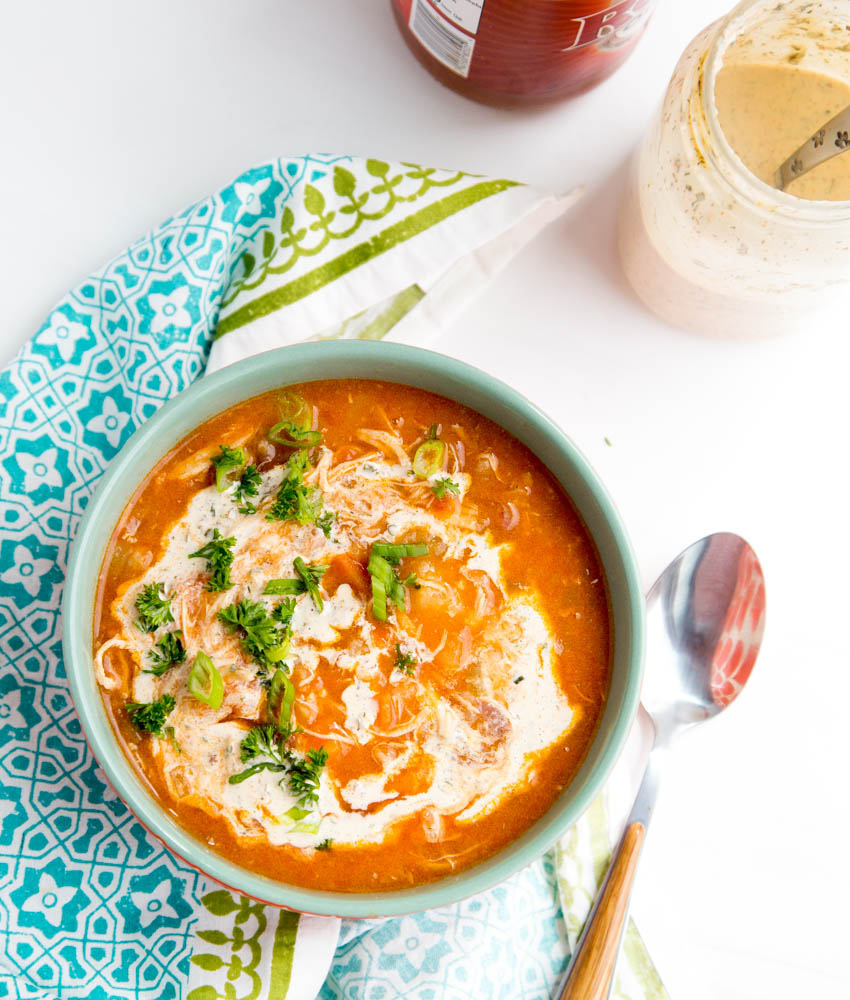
<point x="390" y="237"/>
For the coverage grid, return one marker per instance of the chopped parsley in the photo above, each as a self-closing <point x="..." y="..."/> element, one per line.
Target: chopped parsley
<point x="443" y="486"/>
<point x="295" y="501"/>
<point x="386" y="584"/>
<point x="226" y="463"/>
<point x="248" y="486"/>
<point x="404" y="661"/>
<point x="261" y="741"/>
<point x="519" y="680"/>
<point x="302" y="774"/>
<point x="283" y="613"/>
<point x="325" y="522"/>
<point x="311" y="576"/>
<point x="150" y="717"/>
<point x="154" y="609"/>
<point x="219" y="556"/>
<point x="263" y="638"/>
<point x="324" y="845"/>
<point x="168" y="651"/>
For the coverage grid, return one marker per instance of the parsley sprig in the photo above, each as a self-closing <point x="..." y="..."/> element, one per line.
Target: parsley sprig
<point x="283" y="613"/>
<point x="263" y="638"/>
<point x="154" y="609"/>
<point x="443" y="486"/>
<point x="404" y="661"/>
<point x="248" y="486"/>
<point x="302" y="774"/>
<point x="219" y="555"/>
<point x="166" y="653"/>
<point x="149" y="717"/>
<point x="311" y="576"/>
<point x="295" y="501"/>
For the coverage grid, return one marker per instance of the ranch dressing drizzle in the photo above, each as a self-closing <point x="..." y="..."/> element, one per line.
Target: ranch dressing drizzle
<point x="473" y="766"/>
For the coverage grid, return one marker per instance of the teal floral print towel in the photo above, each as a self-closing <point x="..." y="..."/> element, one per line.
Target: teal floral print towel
<point x="91" y="905"/>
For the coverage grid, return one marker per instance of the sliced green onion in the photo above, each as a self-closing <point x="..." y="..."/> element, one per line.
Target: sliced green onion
<point x="379" y="600"/>
<point x="295" y="409"/>
<point x="428" y="458"/>
<point x="228" y="461"/>
<point x="285" y="586"/>
<point x="381" y="569"/>
<point x="396" y="592"/>
<point x="274" y="654"/>
<point x="305" y="828"/>
<point x="296" y="813"/>
<point x="385" y="581"/>
<point x="249" y="772"/>
<point x="393" y="553"/>
<point x="286" y="433"/>
<point x="205" y="681"/>
<point x="281" y="697"/>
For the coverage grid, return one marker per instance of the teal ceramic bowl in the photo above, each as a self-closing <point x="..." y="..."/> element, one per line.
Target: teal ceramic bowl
<point x="409" y="366"/>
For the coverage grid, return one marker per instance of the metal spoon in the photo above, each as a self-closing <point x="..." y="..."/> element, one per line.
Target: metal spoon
<point x="705" y="620"/>
<point x="831" y="139"/>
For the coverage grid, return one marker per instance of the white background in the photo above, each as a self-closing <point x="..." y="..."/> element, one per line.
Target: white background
<point x="115" y="115"/>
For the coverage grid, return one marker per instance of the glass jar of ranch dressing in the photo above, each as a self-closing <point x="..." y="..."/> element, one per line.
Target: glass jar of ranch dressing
<point x="706" y="240"/>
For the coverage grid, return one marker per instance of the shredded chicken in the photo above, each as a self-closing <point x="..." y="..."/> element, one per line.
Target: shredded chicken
<point x="388" y="443"/>
<point x="459" y="728"/>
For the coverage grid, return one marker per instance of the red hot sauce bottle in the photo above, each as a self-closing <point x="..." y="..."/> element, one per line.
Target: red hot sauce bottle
<point x="521" y="52"/>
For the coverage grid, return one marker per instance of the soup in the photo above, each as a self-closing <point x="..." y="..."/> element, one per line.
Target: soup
<point x="353" y="635"/>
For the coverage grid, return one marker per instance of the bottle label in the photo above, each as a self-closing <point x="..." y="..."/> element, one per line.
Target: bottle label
<point x="464" y="13"/>
<point x="448" y="29"/>
<point x="610" y="28"/>
<point x="446" y="43"/>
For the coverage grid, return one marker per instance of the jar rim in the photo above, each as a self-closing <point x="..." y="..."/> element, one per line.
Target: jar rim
<point x="746" y="183"/>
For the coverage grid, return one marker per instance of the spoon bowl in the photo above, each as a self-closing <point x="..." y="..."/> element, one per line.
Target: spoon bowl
<point x="705" y="622"/>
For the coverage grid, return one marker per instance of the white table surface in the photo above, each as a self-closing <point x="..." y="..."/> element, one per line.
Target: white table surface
<point x="113" y="116"/>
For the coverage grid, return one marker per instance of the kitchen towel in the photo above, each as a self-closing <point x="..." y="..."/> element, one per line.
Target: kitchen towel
<point x="91" y="905"/>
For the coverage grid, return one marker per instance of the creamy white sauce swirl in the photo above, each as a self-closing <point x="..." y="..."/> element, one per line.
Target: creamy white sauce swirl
<point x="479" y="745"/>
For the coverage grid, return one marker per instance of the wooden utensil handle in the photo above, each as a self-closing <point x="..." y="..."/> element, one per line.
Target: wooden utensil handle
<point x="593" y="966"/>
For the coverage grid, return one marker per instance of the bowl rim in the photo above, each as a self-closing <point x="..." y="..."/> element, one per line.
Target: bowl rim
<point x="410" y="365"/>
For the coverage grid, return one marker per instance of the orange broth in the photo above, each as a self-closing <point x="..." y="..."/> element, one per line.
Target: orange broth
<point x="548" y="552"/>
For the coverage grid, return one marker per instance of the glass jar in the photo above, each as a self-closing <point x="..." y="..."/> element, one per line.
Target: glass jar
<point x="518" y="52"/>
<point x="705" y="243"/>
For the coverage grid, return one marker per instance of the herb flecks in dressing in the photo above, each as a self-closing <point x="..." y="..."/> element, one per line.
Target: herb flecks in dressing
<point x="768" y="111"/>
